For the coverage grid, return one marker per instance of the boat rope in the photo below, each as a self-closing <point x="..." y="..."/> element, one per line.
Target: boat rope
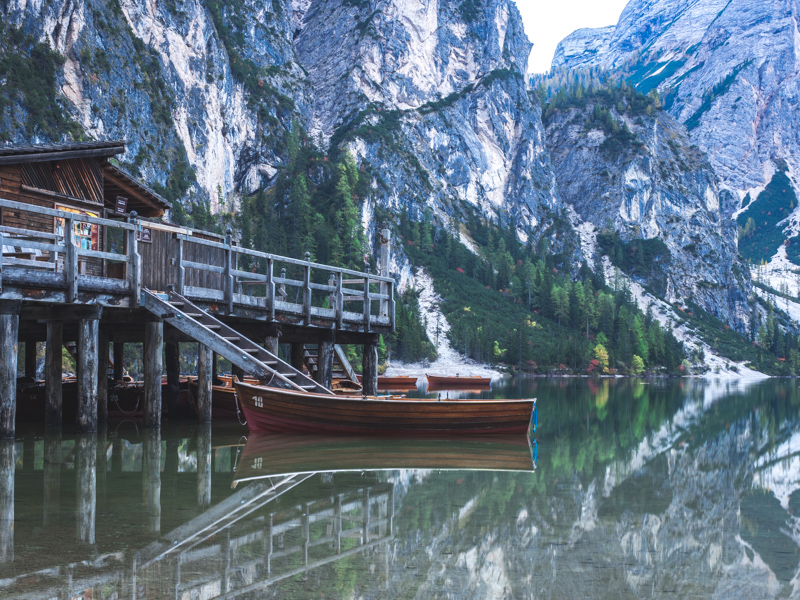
<point x="238" y="410"/>
<point x="115" y="399"/>
<point x="239" y="452"/>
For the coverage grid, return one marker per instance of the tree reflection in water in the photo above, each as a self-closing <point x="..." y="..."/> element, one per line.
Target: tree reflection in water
<point x="657" y="488"/>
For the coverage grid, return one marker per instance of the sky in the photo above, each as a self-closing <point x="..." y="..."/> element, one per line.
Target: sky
<point x="547" y="22"/>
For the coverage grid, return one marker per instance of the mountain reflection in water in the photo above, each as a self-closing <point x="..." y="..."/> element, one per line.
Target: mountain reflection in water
<point x="658" y="488"/>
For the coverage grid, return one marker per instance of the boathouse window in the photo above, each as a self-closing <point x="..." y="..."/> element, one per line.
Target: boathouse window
<point x="87" y="235"/>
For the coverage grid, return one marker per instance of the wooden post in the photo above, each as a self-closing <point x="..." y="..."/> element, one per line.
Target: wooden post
<point x="270" y="290"/>
<point x="151" y="479"/>
<point x="339" y="300"/>
<point x="7" y="501"/>
<point x="203" y="465"/>
<point x="9" y="330"/>
<point x="88" y="332"/>
<point x="135" y="265"/>
<point x="369" y="379"/>
<point x="325" y="363"/>
<point x="367" y="301"/>
<point x="70" y="260"/>
<point x="153" y="342"/>
<point x="204" y="379"/>
<point x="52" y="476"/>
<point x="383" y="268"/>
<point x="227" y="274"/>
<point x="86" y="486"/>
<point x="119" y="358"/>
<point x="273" y="338"/>
<point x="307" y="290"/>
<point x="102" y="377"/>
<point x="180" y="270"/>
<point x="298" y="357"/>
<point x="30" y="359"/>
<point x="173" y="353"/>
<point x="53" y="361"/>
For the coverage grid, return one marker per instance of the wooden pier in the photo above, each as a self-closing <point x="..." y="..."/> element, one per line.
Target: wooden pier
<point x="78" y="265"/>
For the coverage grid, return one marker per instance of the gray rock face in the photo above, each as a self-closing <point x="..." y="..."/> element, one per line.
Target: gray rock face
<point x="725" y="68"/>
<point x="651" y="183"/>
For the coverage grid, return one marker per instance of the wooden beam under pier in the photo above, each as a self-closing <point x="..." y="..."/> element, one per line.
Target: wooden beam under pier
<point x="153" y="343"/>
<point x="88" y="339"/>
<point x="9" y="333"/>
<point x="53" y="373"/>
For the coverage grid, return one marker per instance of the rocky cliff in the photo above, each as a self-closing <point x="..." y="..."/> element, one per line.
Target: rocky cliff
<point x="630" y="170"/>
<point x="727" y="69"/>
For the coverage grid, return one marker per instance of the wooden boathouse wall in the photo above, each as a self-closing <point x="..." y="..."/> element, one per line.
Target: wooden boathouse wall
<point x="54" y="290"/>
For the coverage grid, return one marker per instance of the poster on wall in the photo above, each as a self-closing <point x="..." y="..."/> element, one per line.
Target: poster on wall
<point x="87" y="235"/>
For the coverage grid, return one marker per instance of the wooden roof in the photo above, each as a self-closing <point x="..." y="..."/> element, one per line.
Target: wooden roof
<point x="115" y="181"/>
<point x="142" y="199"/>
<point x="17" y="154"/>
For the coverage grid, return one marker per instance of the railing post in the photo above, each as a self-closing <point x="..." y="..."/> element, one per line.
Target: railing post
<point x="70" y="260"/>
<point x="367" y="300"/>
<point x="307" y="290"/>
<point x="339" y="300"/>
<point x="135" y="264"/>
<point x="270" y="289"/>
<point x="391" y="304"/>
<point x="383" y="268"/>
<point x="228" y="275"/>
<point x="180" y="270"/>
<point x="2" y="243"/>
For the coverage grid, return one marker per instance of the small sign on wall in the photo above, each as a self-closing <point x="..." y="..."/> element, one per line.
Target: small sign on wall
<point x="121" y="206"/>
<point x="145" y="235"/>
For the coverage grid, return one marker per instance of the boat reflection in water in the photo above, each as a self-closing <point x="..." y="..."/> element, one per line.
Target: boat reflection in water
<point x="110" y="516"/>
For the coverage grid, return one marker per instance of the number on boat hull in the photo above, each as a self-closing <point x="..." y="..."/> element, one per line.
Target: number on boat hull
<point x="258" y="401"/>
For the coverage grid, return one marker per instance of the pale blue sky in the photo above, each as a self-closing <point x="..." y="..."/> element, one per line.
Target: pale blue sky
<point x="547" y="22"/>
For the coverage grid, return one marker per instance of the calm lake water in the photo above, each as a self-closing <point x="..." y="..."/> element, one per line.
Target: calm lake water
<point x="657" y="488"/>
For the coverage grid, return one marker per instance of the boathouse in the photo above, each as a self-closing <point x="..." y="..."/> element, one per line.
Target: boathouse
<point x="89" y="256"/>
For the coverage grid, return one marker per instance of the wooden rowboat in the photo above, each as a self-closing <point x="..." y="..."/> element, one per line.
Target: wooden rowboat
<point x="271" y="409"/>
<point x="223" y="398"/>
<point x="398" y="382"/>
<point x="439" y="382"/>
<point x="270" y="454"/>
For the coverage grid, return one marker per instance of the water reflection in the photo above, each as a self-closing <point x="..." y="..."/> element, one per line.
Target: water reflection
<point x="657" y="488"/>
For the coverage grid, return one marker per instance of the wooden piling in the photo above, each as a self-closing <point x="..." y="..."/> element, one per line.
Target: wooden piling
<point x="272" y="339"/>
<point x="53" y="374"/>
<point x="203" y="466"/>
<point x="119" y="358"/>
<point x="102" y="377"/>
<point x="204" y="380"/>
<point x="86" y="486"/>
<point x="325" y="355"/>
<point x="172" y="352"/>
<point x="369" y="381"/>
<point x="9" y="330"/>
<point x="151" y="470"/>
<point x="88" y="332"/>
<point x="52" y="476"/>
<point x="153" y="342"/>
<point x="30" y="359"/>
<point x="7" y="464"/>
<point x="298" y="355"/>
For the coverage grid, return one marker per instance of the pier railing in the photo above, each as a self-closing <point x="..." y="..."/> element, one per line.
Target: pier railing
<point x="204" y="267"/>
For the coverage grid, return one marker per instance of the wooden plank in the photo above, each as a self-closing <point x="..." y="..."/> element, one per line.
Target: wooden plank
<point x="204" y="381"/>
<point x="61" y="155"/>
<point x="52" y="212"/>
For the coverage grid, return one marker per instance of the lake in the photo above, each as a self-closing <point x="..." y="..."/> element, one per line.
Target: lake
<point x="665" y="488"/>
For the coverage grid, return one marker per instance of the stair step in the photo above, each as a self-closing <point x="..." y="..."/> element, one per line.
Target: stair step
<point x="308" y="387"/>
<point x="250" y="350"/>
<point x="213" y="327"/>
<point x="270" y="363"/>
<point x="177" y="303"/>
<point x="233" y="339"/>
<point x="195" y="315"/>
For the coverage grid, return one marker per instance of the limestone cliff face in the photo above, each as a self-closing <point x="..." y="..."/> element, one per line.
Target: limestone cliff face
<point x="645" y="181"/>
<point x="725" y="68"/>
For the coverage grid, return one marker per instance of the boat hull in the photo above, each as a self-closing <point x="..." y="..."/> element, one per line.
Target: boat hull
<point x="270" y="454"/>
<point x="438" y="382"/>
<point x="276" y="410"/>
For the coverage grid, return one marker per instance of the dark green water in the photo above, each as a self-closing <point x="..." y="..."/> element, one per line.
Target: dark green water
<point x="663" y="488"/>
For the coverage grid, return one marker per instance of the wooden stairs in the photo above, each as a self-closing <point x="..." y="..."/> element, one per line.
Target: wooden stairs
<point x="227" y="342"/>
<point x="341" y="366"/>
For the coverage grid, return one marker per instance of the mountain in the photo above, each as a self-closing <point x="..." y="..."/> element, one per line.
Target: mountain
<point x="727" y="70"/>
<point x="630" y="169"/>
